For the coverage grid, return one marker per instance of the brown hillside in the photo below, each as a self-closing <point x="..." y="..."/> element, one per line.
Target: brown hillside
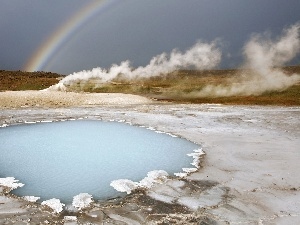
<point x="171" y="87"/>
<point x="19" y="80"/>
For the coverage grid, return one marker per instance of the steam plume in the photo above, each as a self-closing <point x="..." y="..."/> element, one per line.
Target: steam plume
<point x="200" y="56"/>
<point x="262" y="59"/>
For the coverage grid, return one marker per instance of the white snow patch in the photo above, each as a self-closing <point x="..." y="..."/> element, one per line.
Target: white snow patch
<point x="31" y="198"/>
<point x="10" y="182"/>
<point x="4" y="125"/>
<point x="82" y="200"/>
<point x="54" y="204"/>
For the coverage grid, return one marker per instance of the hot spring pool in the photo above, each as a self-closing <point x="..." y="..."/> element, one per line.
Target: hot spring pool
<point x="63" y="159"/>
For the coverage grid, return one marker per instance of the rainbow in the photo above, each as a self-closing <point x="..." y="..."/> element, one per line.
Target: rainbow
<point x="49" y="48"/>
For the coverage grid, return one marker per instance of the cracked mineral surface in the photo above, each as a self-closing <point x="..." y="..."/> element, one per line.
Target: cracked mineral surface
<point x="248" y="175"/>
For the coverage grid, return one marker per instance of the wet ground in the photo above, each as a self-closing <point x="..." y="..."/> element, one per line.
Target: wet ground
<point x="249" y="174"/>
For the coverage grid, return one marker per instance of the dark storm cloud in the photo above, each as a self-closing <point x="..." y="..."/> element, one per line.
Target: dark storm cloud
<point x="137" y="30"/>
<point x="25" y="24"/>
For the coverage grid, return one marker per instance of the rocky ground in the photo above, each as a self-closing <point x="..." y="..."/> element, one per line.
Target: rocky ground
<point x="249" y="174"/>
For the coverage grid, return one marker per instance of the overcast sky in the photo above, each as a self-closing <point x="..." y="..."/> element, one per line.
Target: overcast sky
<point x="136" y="30"/>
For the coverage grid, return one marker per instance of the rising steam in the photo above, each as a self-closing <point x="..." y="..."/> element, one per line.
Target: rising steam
<point x="200" y="56"/>
<point x="261" y="69"/>
<point x="263" y="56"/>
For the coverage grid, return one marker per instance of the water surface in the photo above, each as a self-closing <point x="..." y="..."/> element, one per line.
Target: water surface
<point x="63" y="159"/>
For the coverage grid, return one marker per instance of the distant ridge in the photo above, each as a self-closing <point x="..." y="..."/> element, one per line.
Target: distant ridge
<point x="178" y="86"/>
<point x="21" y="80"/>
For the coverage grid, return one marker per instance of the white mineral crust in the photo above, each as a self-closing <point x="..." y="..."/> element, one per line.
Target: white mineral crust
<point x="82" y="200"/>
<point x="54" y="204"/>
<point x="10" y="182"/>
<point x="155" y="176"/>
<point x="31" y="198"/>
<point x="124" y="185"/>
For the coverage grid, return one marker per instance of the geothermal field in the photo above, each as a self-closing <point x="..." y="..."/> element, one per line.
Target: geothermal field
<point x="237" y="134"/>
<point x="249" y="173"/>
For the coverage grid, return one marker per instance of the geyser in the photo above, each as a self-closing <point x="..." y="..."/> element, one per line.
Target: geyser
<point x="200" y="56"/>
<point x="62" y="159"/>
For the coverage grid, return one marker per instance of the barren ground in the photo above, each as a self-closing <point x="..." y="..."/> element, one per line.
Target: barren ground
<point x="249" y="175"/>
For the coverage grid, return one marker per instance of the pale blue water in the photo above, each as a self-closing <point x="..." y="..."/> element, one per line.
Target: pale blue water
<point x="63" y="159"/>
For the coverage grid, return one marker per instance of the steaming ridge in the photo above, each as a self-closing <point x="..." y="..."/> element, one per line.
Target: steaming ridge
<point x="263" y="56"/>
<point x="199" y="56"/>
